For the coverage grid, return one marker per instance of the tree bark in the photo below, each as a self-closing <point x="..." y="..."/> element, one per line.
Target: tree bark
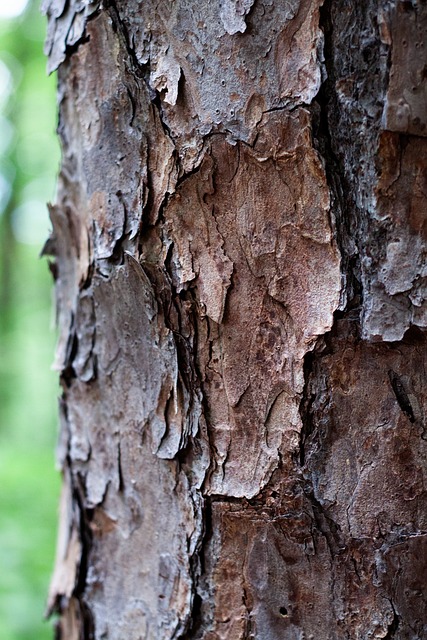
<point x="239" y="247"/>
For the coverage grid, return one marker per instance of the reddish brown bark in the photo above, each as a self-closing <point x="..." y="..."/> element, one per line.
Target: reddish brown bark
<point x="240" y="245"/>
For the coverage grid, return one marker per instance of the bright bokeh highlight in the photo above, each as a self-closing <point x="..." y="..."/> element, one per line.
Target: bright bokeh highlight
<point x="12" y="8"/>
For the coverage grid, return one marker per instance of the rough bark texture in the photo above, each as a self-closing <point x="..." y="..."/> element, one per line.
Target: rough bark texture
<point x="239" y="247"/>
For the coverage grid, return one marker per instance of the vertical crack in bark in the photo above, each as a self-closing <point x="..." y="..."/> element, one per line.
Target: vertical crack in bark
<point x="401" y="395"/>
<point x="196" y="618"/>
<point x="393" y="627"/>
<point x="344" y="220"/>
<point x="140" y="70"/>
<point x="341" y="206"/>
<point x="344" y="217"/>
<point x="85" y="537"/>
<point x="119" y="26"/>
<point x="175" y="306"/>
<point x="305" y="406"/>
<point x="85" y="618"/>
<point x="346" y="214"/>
<point x="248" y="631"/>
<point x="179" y="311"/>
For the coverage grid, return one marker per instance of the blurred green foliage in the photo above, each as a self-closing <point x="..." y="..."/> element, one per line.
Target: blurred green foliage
<point x="29" y="484"/>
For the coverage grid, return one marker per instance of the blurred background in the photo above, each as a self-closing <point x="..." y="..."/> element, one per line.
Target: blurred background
<point x="29" y="483"/>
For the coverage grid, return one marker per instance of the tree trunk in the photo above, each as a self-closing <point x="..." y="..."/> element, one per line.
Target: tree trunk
<point x="239" y="247"/>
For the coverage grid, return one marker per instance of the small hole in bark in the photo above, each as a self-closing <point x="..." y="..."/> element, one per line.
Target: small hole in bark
<point x="283" y="611"/>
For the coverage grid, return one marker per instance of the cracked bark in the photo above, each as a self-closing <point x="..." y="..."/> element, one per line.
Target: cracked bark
<point x="239" y="246"/>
